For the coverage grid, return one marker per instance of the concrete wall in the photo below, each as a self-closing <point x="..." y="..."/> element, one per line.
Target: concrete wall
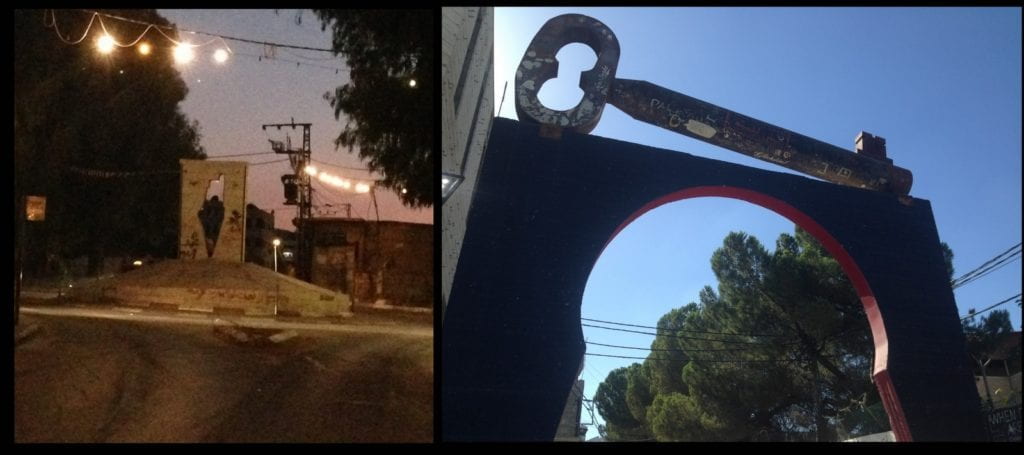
<point x="569" y="426"/>
<point x="259" y="237"/>
<point x="195" y="180"/>
<point x="467" y="107"/>
<point x="212" y="285"/>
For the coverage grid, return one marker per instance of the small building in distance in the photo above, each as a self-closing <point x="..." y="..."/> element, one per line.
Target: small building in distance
<point x="375" y="261"/>
<point x="259" y="235"/>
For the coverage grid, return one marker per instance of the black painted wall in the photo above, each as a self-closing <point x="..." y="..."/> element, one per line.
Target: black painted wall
<point x="543" y="210"/>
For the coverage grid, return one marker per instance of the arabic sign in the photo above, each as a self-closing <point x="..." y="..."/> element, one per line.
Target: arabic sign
<point x="1004" y="424"/>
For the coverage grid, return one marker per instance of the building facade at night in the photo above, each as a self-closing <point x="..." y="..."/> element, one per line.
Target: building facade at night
<point x="259" y="236"/>
<point x="375" y="261"/>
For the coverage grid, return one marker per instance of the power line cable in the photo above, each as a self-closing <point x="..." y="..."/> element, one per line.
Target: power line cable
<point x="268" y="162"/>
<point x="297" y="64"/>
<point x="315" y="59"/>
<point x="971" y="315"/>
<point x="240" y="154"/>
<point x="340" y="166"/>
<point x="990" y="269"/>
<point x="53" y="23"/>
<point x="673" y="330"/>
<point x="679" y="336"/>
<point x="976" y="270"/>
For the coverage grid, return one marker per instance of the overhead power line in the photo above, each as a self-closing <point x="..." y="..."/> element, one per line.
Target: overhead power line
<point x="238" y="155"/>
<point x="992" y="268"/>
<point x="702" y="360"/>
<point x="681" y="330"/>
<point x="340" y="166"/>
<point x="991" y="307"/>
<point x="664" y="350"/>
<point x="284" y="60"/>
<point x="679" y="336"/>
<point x="969" y="275"/>
<point x="269" y="162"/>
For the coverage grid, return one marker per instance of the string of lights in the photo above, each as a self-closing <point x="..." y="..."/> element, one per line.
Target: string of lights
<point x="184" y="51"/>
<point x="701" y="360"/>
<point x="218" y="35"/>
<point x="338" y="181"/>
<point x="53" y="23"/>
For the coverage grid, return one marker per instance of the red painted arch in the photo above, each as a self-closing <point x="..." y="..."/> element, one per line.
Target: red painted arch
<point x="880" y="372"/>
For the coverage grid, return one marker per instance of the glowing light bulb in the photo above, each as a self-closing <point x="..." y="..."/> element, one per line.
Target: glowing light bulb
<point x="105" y="44"/>
<point x="404" y="191"/>
<point x="144" y="48"/>
<point x="362" y="188"/>
<point x="183" y="53"/>
<point x="412" y="82"/>
<point x="311" y="170"/>
<point x="220" y="55"/>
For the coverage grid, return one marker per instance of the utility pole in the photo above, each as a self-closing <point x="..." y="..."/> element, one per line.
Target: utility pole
<point x="298" y="192"/>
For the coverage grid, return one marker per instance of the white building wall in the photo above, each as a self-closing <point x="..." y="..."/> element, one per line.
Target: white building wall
<point x="467" y="109"/>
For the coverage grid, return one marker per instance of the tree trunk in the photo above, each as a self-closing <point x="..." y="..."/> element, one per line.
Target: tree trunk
<point x="819" y="419"/>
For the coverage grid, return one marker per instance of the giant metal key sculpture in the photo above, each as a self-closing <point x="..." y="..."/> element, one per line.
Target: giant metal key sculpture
<point x="869" y="168"/>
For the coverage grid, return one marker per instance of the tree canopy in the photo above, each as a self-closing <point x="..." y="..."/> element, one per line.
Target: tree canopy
<point x="782" y="351"/>
<point x="388" y="102"/>
<point x="79" y="115"/>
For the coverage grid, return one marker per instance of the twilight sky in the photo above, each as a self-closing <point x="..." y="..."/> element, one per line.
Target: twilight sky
<point x="232" y="100"/>
<point x="942" y="85"/>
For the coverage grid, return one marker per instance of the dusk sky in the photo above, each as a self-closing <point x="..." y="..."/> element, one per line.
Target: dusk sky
<point x="230" y="101"/>
<point x="941" y="85"/>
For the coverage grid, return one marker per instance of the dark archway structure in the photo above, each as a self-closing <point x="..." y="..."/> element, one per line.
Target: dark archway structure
<point x="542" y="213"/>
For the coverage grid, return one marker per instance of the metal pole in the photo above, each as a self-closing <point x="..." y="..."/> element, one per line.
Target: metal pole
<point x="21" y="258"/>
<point x="275" y="258"/>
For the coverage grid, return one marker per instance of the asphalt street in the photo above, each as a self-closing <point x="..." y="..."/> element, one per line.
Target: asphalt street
<point x="82" y="378"/>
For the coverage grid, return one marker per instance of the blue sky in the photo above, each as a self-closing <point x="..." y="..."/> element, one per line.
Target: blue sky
<point x="941" y="85"/>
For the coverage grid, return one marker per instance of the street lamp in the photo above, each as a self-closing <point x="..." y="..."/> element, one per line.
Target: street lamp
<point x="276" y="243"/>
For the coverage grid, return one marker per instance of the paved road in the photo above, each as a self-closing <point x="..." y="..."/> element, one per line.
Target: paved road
<point x="108" y="380"/>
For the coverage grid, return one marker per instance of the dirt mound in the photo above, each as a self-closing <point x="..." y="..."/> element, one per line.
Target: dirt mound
<point x="209" y="285"/>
